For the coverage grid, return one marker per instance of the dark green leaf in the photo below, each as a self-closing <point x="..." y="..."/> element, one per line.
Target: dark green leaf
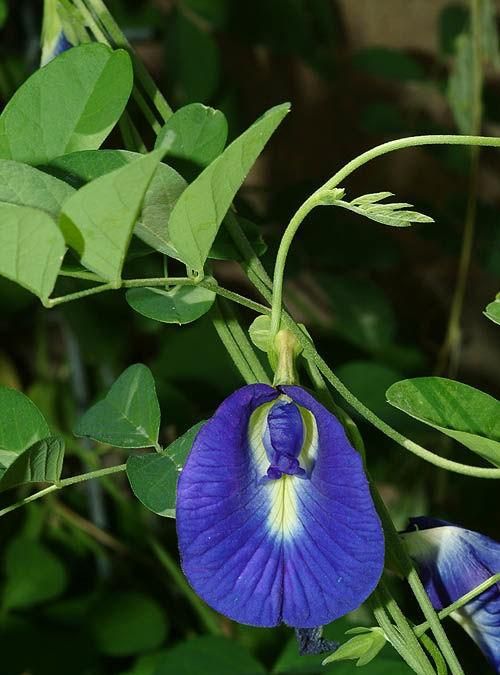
<point x="31" y="248"/>
<point x="194" y="134"/>
<point x="202" y="206"/>
<point x="223" y="247"/>
<point x="182" y="304"/>
<point x="21" y="425"/>
<point x="466" y="414"/>
<point x="76" y="100"/>
<point x="127" y="623"/>
<point x="452" y="22"/>
<point x="129" y="416"/>
<point x="40" y="463"/>
<point x="153" y="477"/>
<point x="25" y="186"/>
<point x="98" y="220"/>
<point x="218" y="655"/>
<point x="33" y="574"/>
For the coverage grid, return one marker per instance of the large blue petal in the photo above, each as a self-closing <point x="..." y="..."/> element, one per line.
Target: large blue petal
<point x="452" y="561"/>
<point x="300" y="550"/>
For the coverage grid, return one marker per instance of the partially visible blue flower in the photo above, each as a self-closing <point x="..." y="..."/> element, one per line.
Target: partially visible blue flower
<point x="275" y="518"/>
<point x="452" y="561"/>
<point x="56" y="30"/>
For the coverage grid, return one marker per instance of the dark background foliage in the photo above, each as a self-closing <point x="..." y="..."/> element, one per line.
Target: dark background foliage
<point x="82" y="590"/>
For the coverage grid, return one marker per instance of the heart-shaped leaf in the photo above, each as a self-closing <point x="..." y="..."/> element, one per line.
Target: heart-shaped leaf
<point x="466" y="414"/>
<point x="40" y="463"/>
<point x="99" y="218"/>
<point x="31" y="248"/>
<point x="129" y="415"/>
<point x="75" y="100"/>
<point x="201" y="208"/>
<point x="182" y="304"/>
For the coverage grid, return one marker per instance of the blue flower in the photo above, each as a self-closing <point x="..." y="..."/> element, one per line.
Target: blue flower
<point x="452" y="561"/>
<point x="275" y="519"/>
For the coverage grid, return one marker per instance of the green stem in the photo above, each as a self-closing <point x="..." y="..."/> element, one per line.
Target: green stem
<point x="91" y="475"/>
<point x="458" y="604"/>
<point x="350" y="167"/>
<point x="205" y="614"/>
<point x="231" y="345"/>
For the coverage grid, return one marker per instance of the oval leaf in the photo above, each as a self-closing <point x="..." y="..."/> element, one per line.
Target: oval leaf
<point x="129" y="416"/>
<point x="466" y="414"/>
<point x="193" y="137"/>
<point x="25" y="186"/>
<point x="41" y="463"/>
<point x="182" y="304"/>
<point x="492" y="311"/>
<point x="31" y="248"/>
<point x="202" y="206"/>
<point x="99" y="218"/>
<point x="153" y="477"/>
<point x="76" y="99"/>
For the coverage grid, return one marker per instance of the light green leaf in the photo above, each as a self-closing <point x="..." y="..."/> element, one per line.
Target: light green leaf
<point x="201" y="208"/>
<point x="466" y="414"/>
<point x="395" y="214"/>
<point x="99" y="218"/>
<point x="182" y="304"/>
<point x="218" y="655"/>
<point x="126" y="623"/>
<point x="129" y="415"/>
<point x="362" y="648"/>
<point x="31" y="248"/>
<point x="23" y="185"/>
<point x="40" y="463"/>
<point x="153" y="477"/>
<point x="492" y="310"/>
<point x="460" y="90"/>
<point x="33" y="574"/>
<point x="75" y="100"/>
<point x="21" y="425"/>
<point x="195" y="134"/>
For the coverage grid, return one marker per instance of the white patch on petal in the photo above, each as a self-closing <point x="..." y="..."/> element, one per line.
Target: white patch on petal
<point x="431" y="544"/>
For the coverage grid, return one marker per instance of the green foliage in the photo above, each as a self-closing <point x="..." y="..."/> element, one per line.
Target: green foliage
<point x="194" y="134"/>
<point x="218" y="655"/>
<point x="31" y="248"/>
<point x="461" y="84"/>
<point x="201" y="208"/>
<point x="23" y="185"/>
<point x="33" y="574"/>
<point x="4" y="11"/>
<point x="389" y="63"/>
<point x="395" y="214"/>
<point x="129" y="415"/>
<point x="40" y="463"/>
<point x="180" y="305"/>
<point x="98" y="220"/>
<point x="492" y="311"/>
<point x="96" y="83"/>
<point x="153" y="477"/>
<point x="459" y="411"/>
<point x="362" y="648"/>
<point x="127" y="623"/>
<point x="21" y="424"/>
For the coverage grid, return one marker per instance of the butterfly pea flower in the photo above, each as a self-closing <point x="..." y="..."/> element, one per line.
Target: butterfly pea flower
<point x="452" y="561"/>
<point x="275" y="518"/>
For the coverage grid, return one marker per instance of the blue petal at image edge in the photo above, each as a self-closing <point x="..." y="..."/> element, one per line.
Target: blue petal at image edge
<point x="302" y="551"/>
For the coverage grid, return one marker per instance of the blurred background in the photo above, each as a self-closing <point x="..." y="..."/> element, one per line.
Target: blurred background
<point x="90" y="579"/>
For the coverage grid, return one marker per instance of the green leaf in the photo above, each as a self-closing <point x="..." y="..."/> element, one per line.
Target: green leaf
<point x="362" y="648"/>
<point x="489" y="33"/>
<point x="182" y="304"/>
<point x="211" y="655"/>
<point x="194" y="134"/>
<point x="33" y="574"/>
<point x="461" y="84"/>
<point x="492" y="310"/>
<point x="21" y="425"/>
<point x="129" y="416"/>
<point x="153" y="477"/>
<point x="40" y="463"/>
<point x="4" y="11"/>
<point x="466" y="414"/>
<point x="31" y="248"/>
<point x="163" y="192"/>
<point x="395" y="214"/>
<point x="201" y="208"/>
<point x="76" y="100"/>
<point x="99" y="218"/>
<point x="223" y="247"/>
<point x="23" y="185"/>
<point x="126" y="623"/>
